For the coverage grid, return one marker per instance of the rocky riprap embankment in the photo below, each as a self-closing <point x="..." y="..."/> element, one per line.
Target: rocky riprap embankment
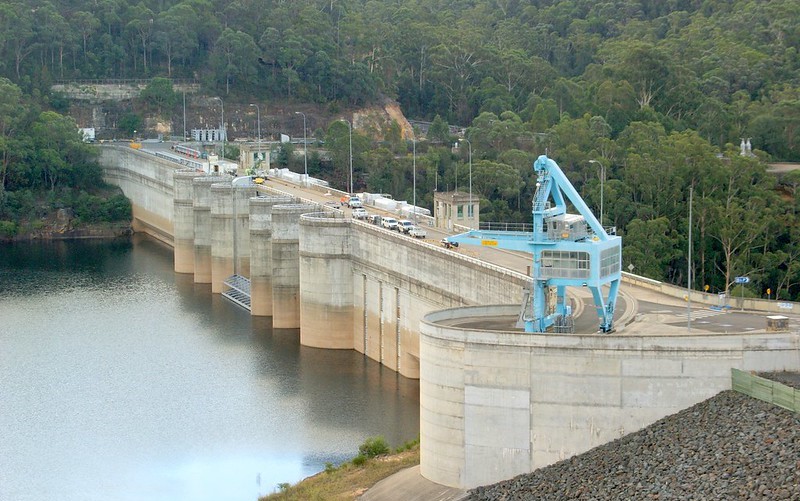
<point x="728" y="447"/>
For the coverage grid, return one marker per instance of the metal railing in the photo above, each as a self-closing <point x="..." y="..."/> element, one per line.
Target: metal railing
<point x="124" y="81"/>
<point x="500" y="226"/>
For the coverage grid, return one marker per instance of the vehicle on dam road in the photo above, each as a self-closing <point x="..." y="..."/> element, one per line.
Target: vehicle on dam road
<point x="418" y="232"/>
<point x="389" y="223"/>
<point x="404" y="225"/>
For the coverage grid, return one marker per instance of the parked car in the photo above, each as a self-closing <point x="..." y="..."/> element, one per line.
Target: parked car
<point x="418" y="232"/>
<point x="389" y="223"/>
<point x="404" y="225"/>
<point x="374" y="219"/>
<point x="360" y="213"/>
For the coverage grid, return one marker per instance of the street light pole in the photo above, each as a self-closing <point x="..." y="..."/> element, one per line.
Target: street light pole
<point x="222" y="125"/>
<point x="258" y="120"/>
<point x="470" y="212"/>
<point x="305" y="146"/>
<point x="184" y="116"/>
<point x="602" y="181"/>
<point x="350" y="126"/>
<point x="689" y="268"/>
<point x="414" y="143"/>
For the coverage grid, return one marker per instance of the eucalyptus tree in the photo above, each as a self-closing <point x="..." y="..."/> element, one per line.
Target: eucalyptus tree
<point x="175" y="34"/>
<point x="140" y="30"/>
<point x="234" y="58"/>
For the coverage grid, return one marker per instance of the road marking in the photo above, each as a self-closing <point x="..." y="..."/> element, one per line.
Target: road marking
<point x="700" y="314"/>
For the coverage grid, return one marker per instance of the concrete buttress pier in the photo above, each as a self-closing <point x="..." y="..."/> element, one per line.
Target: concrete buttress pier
<point x="230" y="232"/>
<point x="261" y="252"/>
<point x="286" y="264"/>
<point x="326" y="281"/>
<point x="201" y="198"/>
<point x="183" y="220"/>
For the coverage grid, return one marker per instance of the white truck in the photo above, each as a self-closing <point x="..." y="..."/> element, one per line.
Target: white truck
<point x="404" y="225"/>
<point x="418" y="232"/>
<point x="389" y="223"/>
<point x="351" y="201"/>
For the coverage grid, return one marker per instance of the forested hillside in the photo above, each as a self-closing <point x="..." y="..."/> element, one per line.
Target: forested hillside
<point x="651" y="97"/>
<point x="727" y="69"/>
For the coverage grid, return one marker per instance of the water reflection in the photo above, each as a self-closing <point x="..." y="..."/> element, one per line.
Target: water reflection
<point x="123" y="380"/>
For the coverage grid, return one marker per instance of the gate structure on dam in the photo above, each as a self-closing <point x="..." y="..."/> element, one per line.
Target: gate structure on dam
<point x="569" y="250"/>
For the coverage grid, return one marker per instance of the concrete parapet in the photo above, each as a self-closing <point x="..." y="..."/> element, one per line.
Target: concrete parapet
<point x="326" y="281"/>
<point x="286" y="264"/>
<point x="201" y="207"/>
<point x="183" y="220"/>
<point x="261" y="252"/>
<point x="494" y="404"/>
<point x="667" y="291"/>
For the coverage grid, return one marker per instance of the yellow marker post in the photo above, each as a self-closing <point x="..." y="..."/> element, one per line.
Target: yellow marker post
<point x="489" y="243"/>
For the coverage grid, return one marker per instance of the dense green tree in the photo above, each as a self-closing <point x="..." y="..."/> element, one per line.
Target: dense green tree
<point x="159" y="94"/>
<point x="439" y="131"/>
<point x="650" y="246"/>
<point x="234" y="57"/>
<point x="11" y="115"/>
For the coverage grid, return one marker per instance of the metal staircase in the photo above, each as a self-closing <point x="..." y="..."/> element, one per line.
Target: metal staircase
<point x="238" y="290"/>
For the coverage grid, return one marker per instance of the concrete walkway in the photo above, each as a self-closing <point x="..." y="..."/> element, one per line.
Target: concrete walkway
<point x="409" y="485"/>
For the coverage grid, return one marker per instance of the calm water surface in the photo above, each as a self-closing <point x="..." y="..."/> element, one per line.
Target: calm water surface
<point x="121" y="380"/>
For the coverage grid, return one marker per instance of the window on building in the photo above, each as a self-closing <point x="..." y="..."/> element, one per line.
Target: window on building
<point x="565" y="264"/>
<point x="609" y="261"/>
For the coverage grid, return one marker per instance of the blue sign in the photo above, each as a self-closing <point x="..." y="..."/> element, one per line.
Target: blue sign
<point x="741" y="280"/>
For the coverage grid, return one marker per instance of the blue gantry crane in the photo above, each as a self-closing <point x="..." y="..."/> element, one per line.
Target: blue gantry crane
<point x="569" y="250"/>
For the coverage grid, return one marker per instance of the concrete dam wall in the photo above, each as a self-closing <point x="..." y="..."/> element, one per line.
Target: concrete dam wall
<point x="343" y="283"/>
<point x="497" y="404"/>
<point x="494" y="403"/>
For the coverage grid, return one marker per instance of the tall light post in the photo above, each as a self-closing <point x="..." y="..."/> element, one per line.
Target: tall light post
<point x="602" y="180"/>
<point x="414" y="177"/>
<point x="305" y="146"/>
<point x="184" y="116"/>
<point x="258" y="121"/>
<point x="689" y="267"/>
<point x="222" y="123"/>
<point x="470" y="212"/>
<point x="350" y="126"/>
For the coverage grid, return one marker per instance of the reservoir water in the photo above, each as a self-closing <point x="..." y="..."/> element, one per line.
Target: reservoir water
<point x="121" y="380"/>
